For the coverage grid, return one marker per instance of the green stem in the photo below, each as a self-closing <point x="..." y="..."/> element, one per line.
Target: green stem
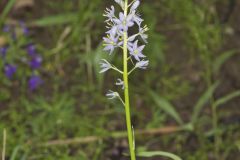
<point x="126" y="91"/>
<point x="115" y="68"/>
<point x="217" y="138"/>
<point x="216" y="135"/>
<point x="4" y="144"/>
<point x="131" y="70"/>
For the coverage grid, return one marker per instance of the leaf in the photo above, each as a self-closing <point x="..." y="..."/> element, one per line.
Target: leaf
<point x="227" y="98"/>
<point x="56" y="19"/>
<point x="202" y="102"/>
<point x="166" y="106"/>
<point x="7" y="9"/>
<point x="158" y="153"/>
<point x="238" y="145"/>
<point x="14" y="153"/>
<point x="221" y="59"/>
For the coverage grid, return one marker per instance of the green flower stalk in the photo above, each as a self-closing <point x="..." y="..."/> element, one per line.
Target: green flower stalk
<point x="126" y="92"/>
<point x="118" y="36"/>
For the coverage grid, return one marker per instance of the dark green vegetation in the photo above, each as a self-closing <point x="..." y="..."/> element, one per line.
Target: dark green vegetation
<point x="186" y="102"/>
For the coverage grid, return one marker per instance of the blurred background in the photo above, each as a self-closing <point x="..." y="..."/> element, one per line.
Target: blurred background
<point x="52" y="97"/>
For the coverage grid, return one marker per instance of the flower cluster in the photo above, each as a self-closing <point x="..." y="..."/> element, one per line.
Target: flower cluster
<point x="32" y="59"/>
<point x="118" y="26"/>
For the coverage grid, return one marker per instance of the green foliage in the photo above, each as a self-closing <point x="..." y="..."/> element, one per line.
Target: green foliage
<point x="226" y="98"/>
<point x="166" y="106"/>
<point x="202" y="102"/>
<point x="6" y="10"/>
<point x="71" y="103"/>
<point x="56" y="20"/>
<point x="221" y="59"/>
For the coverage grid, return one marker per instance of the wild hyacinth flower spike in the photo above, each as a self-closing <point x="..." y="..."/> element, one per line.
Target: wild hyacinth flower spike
<point x="131" y="45"/>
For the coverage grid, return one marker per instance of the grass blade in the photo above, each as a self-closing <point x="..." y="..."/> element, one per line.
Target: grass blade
<point x="166" y="106"/>
<point x="202" y="102"/>
<point x="158" y="153"/>
<point x="56" y="20"/>
<point x="221" y="59"/>
<point x="7" y="9"/>
<point x="15" y="152"/>
<point x="227" y="98"/>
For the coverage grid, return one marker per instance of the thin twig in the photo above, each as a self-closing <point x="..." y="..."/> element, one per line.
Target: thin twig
<point x="116" y="69"/>
<point x="115" y="135"/>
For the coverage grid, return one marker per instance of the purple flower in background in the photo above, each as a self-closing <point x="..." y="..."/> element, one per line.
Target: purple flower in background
<point x="34" y="82"/>
<point x="6" y="28"/>
<point x="10" y="70"/>
<point x="31" y="49"/>
<point x="3" y="51"/>
<point x="36" y="62"/>
<point x="25" y="30"/>
<point x="31" y="57"/>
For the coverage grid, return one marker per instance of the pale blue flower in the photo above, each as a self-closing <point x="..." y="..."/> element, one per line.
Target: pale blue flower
<point x="111" y="94"/>
<point x="110" y="13"/>
<point x="112" y="31"/>
<point x="118" y="26"/>
<point x="142" y="64"/>
<point x="136" y="51"/>
<point x="104" y="65"/>
<point x="120" y="83"/>
<point x="137" y="19"/>
<point x="135" y="5"/>
<point x="142" y="33"/>
<point x="110" y="42"/>
<point x="123" y="22"/>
